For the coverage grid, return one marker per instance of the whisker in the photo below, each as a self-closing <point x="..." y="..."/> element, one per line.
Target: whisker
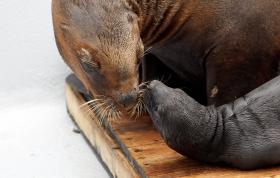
<point x="99" y="105"/>
<point x="90" y="108"/>
<point x="169" y="77"/>
<point x="99" y="109"/>
<point x="110" y="112"/>
<point x="105" y="112"/>
<point x="96" y="109"/>
<point x="147" y="51"/>
<point x="140" y="112"/>
<point x="144" y="83"/>
<point x="103" y="108"/>
<point x="132" y="112"/>
<point x="161" y="79"/>
<point x="141" y="92"/>
<point x="137" y="110"/>
<point x="101" y="116"/>
<point x="113" y="113"/>
<point x="119" y="114"/>
<point x="89" y="102"/>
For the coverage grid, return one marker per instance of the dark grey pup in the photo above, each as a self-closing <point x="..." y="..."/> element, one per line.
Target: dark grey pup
<point x="244" y="133"/>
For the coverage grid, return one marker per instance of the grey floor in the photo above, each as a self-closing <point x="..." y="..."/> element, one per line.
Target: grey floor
<point x="36" y="137"/>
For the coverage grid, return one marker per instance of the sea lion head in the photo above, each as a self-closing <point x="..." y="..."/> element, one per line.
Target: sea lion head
<point x="100" y="41"/>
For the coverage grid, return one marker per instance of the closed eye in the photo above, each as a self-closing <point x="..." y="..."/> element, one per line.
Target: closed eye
<point x="87" y="62"/>
<point x="90" y="63"/>
<point x="88" y="68"/>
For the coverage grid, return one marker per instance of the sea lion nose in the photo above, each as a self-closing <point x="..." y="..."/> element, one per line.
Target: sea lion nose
<point x="127" y="99"/>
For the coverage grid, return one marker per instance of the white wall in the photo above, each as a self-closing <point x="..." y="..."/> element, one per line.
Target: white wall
<point x="36" y="138"/>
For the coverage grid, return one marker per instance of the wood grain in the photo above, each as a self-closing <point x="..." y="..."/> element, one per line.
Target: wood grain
<point x="133" y="148"/>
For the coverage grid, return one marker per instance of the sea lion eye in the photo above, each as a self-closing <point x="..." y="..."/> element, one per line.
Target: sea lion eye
<point x="87" y="63"/>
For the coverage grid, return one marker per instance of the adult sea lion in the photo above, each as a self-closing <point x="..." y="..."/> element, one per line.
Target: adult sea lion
<point x="217" y="50"/>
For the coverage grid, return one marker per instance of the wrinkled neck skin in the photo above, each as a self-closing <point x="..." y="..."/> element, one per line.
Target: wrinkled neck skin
<point x="160" y="20"/>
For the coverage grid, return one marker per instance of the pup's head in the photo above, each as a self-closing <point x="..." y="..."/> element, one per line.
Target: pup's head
<point x="100" y="41"/>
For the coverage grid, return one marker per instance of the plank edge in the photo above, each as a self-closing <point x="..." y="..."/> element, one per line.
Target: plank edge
<point x="72" y="103"/>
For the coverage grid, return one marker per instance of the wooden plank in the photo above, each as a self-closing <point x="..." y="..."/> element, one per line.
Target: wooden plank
<point x="133" y="148"/>
<point x="108" y="151"/>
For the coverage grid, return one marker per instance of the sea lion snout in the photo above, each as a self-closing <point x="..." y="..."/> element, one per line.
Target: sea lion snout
<point x="155" y="97"/>
<point x="127" y="99"/>
<point x="156" y="91"/>
<point x="160" y="99"/>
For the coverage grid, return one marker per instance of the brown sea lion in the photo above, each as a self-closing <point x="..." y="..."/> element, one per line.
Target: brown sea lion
<point x="216" y="50"/>
<point x="102" y="50"/>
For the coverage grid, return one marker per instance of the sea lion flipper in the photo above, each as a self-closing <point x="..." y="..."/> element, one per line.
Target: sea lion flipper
<point x="76" y="84"/>
<point x="244" y="133"/>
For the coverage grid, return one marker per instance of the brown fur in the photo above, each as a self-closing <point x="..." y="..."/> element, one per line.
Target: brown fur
<point x="211" y="44"/>
<point x="113" y="44"/>
<point x="110" y="31"/>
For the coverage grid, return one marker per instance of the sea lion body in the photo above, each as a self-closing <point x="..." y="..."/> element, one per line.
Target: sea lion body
<point x="228" y="46"/>
<point x="216" y="50"/>
<point x="243" y="133"/>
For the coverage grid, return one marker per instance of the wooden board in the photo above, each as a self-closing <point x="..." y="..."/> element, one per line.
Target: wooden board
<point x="133" y="148"/>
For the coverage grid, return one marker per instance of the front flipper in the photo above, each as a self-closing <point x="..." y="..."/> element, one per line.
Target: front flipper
<point x="244" y="133"/>
<point x="77" y="85"/>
